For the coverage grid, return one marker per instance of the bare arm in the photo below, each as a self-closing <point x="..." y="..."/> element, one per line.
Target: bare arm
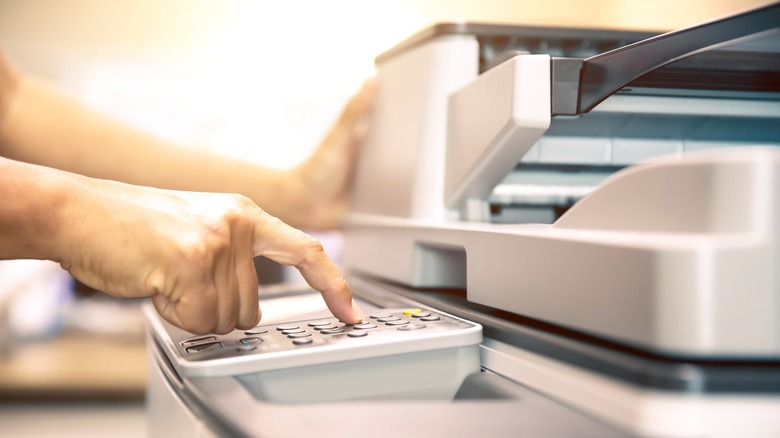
<point x="43" y="126"/>
<point x="190" y="252"/>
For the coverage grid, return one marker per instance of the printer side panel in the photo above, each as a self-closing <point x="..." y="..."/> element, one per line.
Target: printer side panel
<point x="401" y="167"/>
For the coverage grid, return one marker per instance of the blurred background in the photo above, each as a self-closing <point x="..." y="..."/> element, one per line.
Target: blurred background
<point x="257" y="80"/>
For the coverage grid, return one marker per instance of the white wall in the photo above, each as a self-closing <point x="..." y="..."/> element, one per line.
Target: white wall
<point x="259" y="79"/>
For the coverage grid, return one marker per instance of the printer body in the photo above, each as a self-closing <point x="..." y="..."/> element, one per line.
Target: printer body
<point x="538" y="250"/>
<point x="681" y="235"/>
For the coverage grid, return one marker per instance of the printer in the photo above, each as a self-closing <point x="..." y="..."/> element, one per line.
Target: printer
<point x="553" y="232"/>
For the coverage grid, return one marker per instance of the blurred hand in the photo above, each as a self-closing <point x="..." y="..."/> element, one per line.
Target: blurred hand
<point x="326" y="176"/>
<point x="190" y="252"/>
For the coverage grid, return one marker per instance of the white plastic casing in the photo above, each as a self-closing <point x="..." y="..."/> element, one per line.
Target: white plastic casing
<point x="677" y="255"/>
<point x="492" y="123"/>
<point x="401" y="165"/>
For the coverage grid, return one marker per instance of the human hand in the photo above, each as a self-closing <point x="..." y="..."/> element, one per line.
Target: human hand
<point x="325" y="177"/>
<point x="190" y="252"/>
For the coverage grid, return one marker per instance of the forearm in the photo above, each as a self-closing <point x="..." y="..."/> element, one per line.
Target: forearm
<point x="44" y="127"/>
<point x="32" y="202"/>
<point x="40" y="125"/>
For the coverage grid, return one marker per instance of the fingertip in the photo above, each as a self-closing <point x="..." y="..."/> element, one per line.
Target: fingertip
<point x="345" y="307"/>
<point x="357" y="312"/>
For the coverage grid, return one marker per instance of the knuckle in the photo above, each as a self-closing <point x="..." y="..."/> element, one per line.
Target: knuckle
<point x="340" y="284"/>
<point x="200" y="325"/>
<point x="313" y="245"/>
<point x="309" y="249"/>
<point x="224" y="329"/>
<point x="272" y="221"/>
<point x="235" y="216"/>
<point x="199" y="254"/>
<point x="243" y="201"/>
<point x="204" y="317"/>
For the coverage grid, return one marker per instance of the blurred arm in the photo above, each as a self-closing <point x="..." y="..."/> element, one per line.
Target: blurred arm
<point x="42" y="126"/>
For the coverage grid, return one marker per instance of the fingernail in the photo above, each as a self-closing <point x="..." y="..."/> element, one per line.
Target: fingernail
<point x="357" y="312"/>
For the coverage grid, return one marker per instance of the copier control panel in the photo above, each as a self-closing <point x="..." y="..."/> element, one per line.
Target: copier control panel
<point x="388" y="326"/>
<point x="412" y="352"/>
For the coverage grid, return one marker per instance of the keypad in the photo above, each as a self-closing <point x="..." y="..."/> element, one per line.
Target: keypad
<point x="310" y="334"/>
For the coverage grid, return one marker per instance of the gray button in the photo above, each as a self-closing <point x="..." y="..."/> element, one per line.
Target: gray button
<point x="302" y="341"/>
<point x="319" y="323"/>
<point x="357" y="334"/>
<point x="332" y="326"/>
<point x="388" y="319"/>
<point x="402" y="322"/>
<point x="430" y="318"/>
<point x="332" y="331"/>
<point x="299" y="335"/>
<point x="249" y="347"/>
<point x="364" y="326"/>
<point x="256" y="331"/>
<point x="199" y="340"/>
<point x="204" y="347"/>
<point x="287" y="327"/>
<point x="252" y="340"/>
<point x="293" y="331"/>
<point x="421" y="314"/>
<point x="415" y="326"/>
<point x="381" y="315"/>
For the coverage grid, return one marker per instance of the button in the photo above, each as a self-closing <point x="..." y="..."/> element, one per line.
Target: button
<point x="287" y="327"/>
<point x="204" y="347"/>
<point x="430" y="318"/>
<point x="302" y="341"/>
<point x="332" y="331"/>
<point x="381" y="315"/>
<point x="364" y="326"/>
<point x="249" y="347"/>
<point x="252" y="340"/>
<point x="256" y="331"/>
<point x="402" y="322"/>
<point x="319" y="323"/>
<point x="357" y="334"/>
<point x="388" y="319"/>
<point x="421" y="315"/>
<point x="416" y="326"/>
<point x="299" y="335"/>
<point x="189" y="342"/>
<point x="329" y="326"/>
<point x="293" y="331"/>
<point x="412" y="311"/>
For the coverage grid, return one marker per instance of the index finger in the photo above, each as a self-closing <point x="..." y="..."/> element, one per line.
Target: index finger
<point x="289" y="246"/>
